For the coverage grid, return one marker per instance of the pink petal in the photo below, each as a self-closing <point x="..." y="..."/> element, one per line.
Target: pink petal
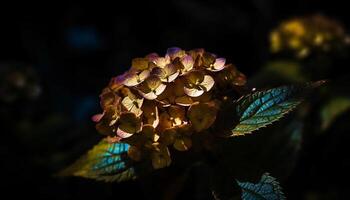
<point x="218" y="65"/>
<point x="123" y="134"/>
<point x="187" y="62"/>
<point x="97" y="117"/>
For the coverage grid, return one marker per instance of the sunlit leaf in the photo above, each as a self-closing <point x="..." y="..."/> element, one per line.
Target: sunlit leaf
<point x="334" y="108"/>
<point x="259" y="109"/>
<point x="267" y="189"/>
<point x="106" y="161"/>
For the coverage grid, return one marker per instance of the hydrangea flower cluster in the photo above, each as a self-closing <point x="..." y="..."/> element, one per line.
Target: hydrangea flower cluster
<point x="302" y="35"/>
<point x="164" y="101"/>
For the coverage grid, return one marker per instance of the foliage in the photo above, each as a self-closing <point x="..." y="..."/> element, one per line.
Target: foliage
<point x="267" y="189"/>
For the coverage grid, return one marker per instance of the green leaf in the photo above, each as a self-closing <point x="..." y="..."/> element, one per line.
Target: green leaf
<point x="334" y="108"/>
<point x="107" y="162"/>
<point x="267" y="189"/>
<point x="259" y="109"/>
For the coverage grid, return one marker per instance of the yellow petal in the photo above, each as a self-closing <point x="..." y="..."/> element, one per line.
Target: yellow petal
<point x="133" y="79"/>
<point x="208" y="59"/>
<point x="183" y="144"/>
<point x="129" y="123"/>
<point x="168" y="136"/>
<point x="162" y="61"/>
<point x="160" y="89"/>
<point x="208" y="82"/>
<point x="151" y="115"/>
<point x="193" y="92"/>
<point x="184" y="101"/>
<point x="133" y="104"/>
<point x="139" y="63"/>
<point x="194" y="77"/>
<point x="202" y="116"/>
<point x="161" y="159"/>
<point x="177" y="115"/>
<point x="149" y="96"/>
<point x="153" y="82"/>
<point x="108" y="98"/>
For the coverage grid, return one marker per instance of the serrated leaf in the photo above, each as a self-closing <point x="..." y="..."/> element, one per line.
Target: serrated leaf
<point x="334" y="108"/>
<point x="267" y="189"/>
<point x="259" y="109"/>
<point x="106" y="161"/>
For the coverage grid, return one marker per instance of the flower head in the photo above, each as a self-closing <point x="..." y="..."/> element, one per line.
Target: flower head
<point x="162" y="103"/>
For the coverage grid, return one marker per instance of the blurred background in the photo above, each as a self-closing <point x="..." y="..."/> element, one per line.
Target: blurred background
<point x="56" y="58"/>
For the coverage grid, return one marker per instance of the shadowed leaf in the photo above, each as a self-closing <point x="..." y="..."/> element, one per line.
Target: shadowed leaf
<point x="267" y="189"/>
<point x="334" y="108"/>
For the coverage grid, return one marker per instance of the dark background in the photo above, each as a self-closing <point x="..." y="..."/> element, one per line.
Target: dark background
<point x="74" y="49"/>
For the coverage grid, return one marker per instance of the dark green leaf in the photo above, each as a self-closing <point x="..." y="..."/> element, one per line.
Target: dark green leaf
<point x="267" y="189"/>
<point x="107" y="162"/>
<point x="335" y="107"/>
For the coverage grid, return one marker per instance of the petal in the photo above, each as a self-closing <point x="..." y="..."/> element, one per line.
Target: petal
<point x="149" y="96"/>
<point x="208" y="59"/>
<point x="187" y="62"/>
<point x="129" y="123"/>
<point x="160" y="72"/>
<point x="164" y="122"/>
<point x="148" y="132"/>
<point x="162" y="61"/>
<point x="171" y="72"/>
<point x="109" y="98"/>
<point x="161" y="159"/>
<point x="208" y="82"/>
<point x="134" y="153"/>
<point x="183" y="144"/>
<point x="160" y="89"/>
<point x="177" y="114"/>
<point x="175" y="52"/>
<point x="202" y="116"/>
<point x="123" y="134"/>
<point x="117" y="82"/>
<point x="97" y="117"/>
<point x="113" y="139"/>
<point x="168" y="136"/>
<point x="153" y="82"/>
<point x="218" y="65"/>
<point x="151" y="113"/>
<point x="133" y="105"/>
<point x="195" y="77"/>
<point x="172" y="77"/>
<point x="184" y="101"/>
<point x="193" y="92"/>
<point x="131" y="80"/>
<point x="152" y="57"/>
<point x="104" y="129"/>
<point x="140" y="63"/>
<point x="144" y="74"/>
